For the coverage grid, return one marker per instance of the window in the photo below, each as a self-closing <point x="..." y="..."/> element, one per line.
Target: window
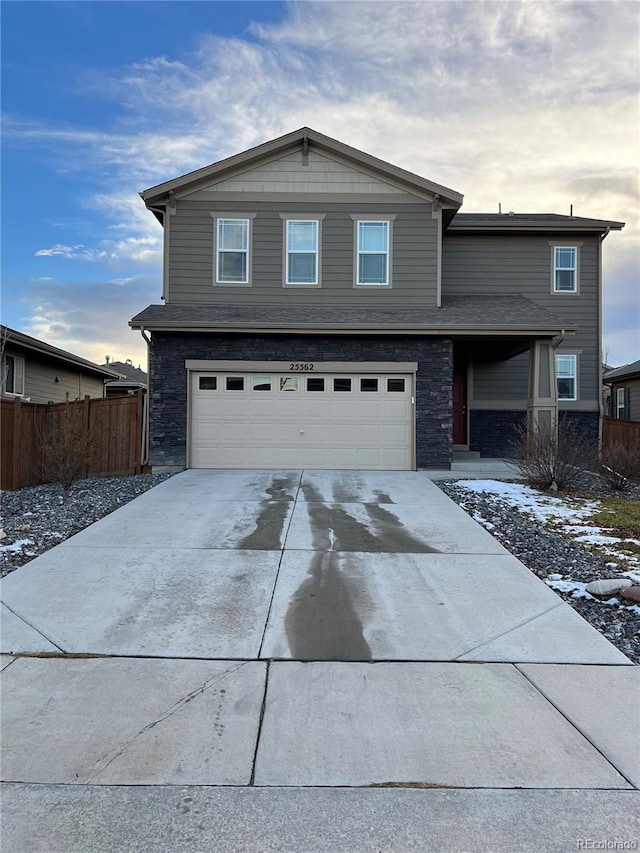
<point x="565" y="269"/>
<point x="261" y="383"/>
<point x="372" y="253"/>
<point x="288" y="383"/>
<point x="235" y="383"/>
<point x="208" y="383"/>
<point x="341" y="384"/>
<point x="620" y="403"/>
<point x="368" y="384"/>
<point x="315" y="383"/>
<point x="566" y="373"/>
<point x="232" y="251"/>
<point x="301" y="251"/>
<point x="395" y="385"/>
<point x="13" y="375"/>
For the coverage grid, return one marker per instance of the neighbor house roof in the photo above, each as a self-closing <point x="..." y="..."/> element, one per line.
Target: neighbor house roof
<point x="130" y="374"/>
<point x="25" y="343"/>
<point x="159" y="194"/>
<point x="458" y="315"/>
<point x="627" y="371"/>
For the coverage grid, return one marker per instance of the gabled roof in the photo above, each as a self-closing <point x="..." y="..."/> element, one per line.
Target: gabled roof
<point x="159" y="194"/>
<point x="627" y="371"/>
<point x="490" y="314"/>
<point x="21" y="342"/>
<point x="134" y="375"/>
<point x="529" y="222"/>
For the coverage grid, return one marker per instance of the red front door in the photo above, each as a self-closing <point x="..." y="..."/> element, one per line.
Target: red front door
<point x="460" y="403"/>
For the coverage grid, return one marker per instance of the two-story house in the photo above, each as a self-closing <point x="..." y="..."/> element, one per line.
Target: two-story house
<point x="325" y="309"/>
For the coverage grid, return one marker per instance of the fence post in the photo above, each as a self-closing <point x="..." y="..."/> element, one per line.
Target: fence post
<point x="15" y="461"/>
<point x="137" y="442"/>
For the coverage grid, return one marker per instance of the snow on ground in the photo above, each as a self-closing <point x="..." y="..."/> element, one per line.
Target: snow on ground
<point x="566" y="514"/>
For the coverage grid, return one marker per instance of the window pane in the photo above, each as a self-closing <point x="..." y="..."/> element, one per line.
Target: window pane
<point x="233" y="234"/>
<point x="566" y="389"/>
<point x="289" y="383"/>
<point x="315" y="383"/>
<point x="395" y="385"/>
<point x="368" y="384"/>
<point x="9" y="370"/>
<point x="232" y="266"/>
<point x="373" y="236"/>
<point x="565" y="258"/>
<point x="302" y="268"/>
<point x="565" y="365"/>
<point x="261" y="383"/>
<point x="372" y="269"/>
<point x="235" y="383"/>
<point x="342" y="384"/>
<point x="302" y="236"/>
<point x="208" y="383"/>
<point x="565" y="280"/>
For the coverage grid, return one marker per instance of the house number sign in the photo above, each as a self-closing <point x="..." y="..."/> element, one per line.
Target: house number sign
<point x="301" y="365"/>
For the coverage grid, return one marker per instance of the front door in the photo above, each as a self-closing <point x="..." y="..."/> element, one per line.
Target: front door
<point x="459" y="403"/>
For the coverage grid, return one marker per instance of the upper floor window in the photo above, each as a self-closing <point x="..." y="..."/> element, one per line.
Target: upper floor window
<point x="232" y="238"/>
<point x="13" y="375"/>
<point x="372" y="255"/>
<point x="567" y="377"/>
<point x="302" y="251"/>
<point x="565" y="269"/>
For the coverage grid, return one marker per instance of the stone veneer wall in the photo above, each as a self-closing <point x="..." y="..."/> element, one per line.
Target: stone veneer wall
<point x="492" y="432"/>
<point x="168" y="380"/>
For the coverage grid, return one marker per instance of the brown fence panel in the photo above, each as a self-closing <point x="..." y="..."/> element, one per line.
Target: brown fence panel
<point x="113" y="426"/>
<point x="626" y="433"/>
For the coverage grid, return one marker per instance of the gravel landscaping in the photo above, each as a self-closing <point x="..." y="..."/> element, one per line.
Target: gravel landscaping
<point x="37" y="518"/>
<point x="564" y="565"/>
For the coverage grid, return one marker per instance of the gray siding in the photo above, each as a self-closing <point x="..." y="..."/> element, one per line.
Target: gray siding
<point x="414" y="255"/>
<point x="505" y="264"/>
<point x="632" y="386"/>
<point x="41" y="386"/>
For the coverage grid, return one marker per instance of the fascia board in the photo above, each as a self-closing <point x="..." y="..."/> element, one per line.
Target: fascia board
<point x="598" y="226"/>
<point x="60" y="356"/>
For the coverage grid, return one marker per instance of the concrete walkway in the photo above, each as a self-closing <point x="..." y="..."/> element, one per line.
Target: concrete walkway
<point x="335" y="661"/>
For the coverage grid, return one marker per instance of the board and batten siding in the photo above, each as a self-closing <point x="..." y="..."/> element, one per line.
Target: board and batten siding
<point x="521" y="264"/>
<point x="191" y="255"/>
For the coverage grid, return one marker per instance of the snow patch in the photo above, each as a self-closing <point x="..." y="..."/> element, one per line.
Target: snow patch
<point x="16" y="546"/>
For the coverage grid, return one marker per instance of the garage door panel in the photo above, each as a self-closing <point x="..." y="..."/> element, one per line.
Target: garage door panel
<point x="300" y="427"/>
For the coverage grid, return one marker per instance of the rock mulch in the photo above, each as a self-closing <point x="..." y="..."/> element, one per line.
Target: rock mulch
<point x="566" y="567"/>
<point x="36" y="518"/>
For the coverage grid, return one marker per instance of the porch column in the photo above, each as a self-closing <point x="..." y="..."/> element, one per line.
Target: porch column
<point x="542" y="404"/>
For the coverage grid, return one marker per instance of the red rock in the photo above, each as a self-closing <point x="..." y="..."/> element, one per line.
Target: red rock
<point x="631" y="592"/>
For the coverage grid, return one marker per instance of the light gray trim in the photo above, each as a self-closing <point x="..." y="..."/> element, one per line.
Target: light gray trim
<point x="301" y="217"/>
<point x="166" y="236"/>
<point x="216" y="216"/>
<point x="348" y="329"/>
<point x="565" y="244"/>
<point x="357" y="218"/>
<point x="437" y="214"/>
<point x="560" y="353"/>
<point x="507" y="224"/>
<point x="214" y="365"/>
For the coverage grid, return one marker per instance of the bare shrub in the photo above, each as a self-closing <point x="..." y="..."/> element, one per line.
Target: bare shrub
<point x="549" y="458"/>
<point x="619" y="466"/>
<point x="67" y="445"/>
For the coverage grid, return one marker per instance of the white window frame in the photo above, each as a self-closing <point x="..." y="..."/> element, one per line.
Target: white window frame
<point x="620" y="408"/>
<point x="555" y="268"/>
<point x="378" y="220"/>
<point x="18" y="375"/>
<point x="573" y="359"/>
<point x="317" y="219"/>
<point x="218" y="219"/>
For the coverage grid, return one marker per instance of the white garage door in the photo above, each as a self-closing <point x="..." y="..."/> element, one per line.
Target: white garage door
<point x="258" y="420"/>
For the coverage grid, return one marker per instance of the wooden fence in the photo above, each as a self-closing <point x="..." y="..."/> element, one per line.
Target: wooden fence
<point x="106" y="433"/>
<point x="626" y="433"/>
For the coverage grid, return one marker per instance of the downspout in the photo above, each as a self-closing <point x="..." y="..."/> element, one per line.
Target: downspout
<point x="144" y="438"/>
<point x="600" y="373"/>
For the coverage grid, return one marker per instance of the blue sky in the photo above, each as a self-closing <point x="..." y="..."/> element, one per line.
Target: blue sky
<point x="534" y="105"/>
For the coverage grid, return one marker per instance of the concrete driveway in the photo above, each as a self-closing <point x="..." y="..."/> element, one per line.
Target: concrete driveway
<point x="345" y="641"/>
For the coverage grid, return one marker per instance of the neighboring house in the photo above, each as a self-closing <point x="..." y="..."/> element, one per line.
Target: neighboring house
<point x="131" y="379"/>
<point x="624" y="400"/>
<point x="40" y="373"/>
<point x="325" y="309"/>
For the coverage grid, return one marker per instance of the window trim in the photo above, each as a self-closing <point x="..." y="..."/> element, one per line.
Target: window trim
<point x="555" y="245"/>
<point x="17" y="360"/>
<point x="388" y="220"/>
<point x="217" y="217"/>
<point x="301" y="217"/>
<point x="574" y="357"/>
